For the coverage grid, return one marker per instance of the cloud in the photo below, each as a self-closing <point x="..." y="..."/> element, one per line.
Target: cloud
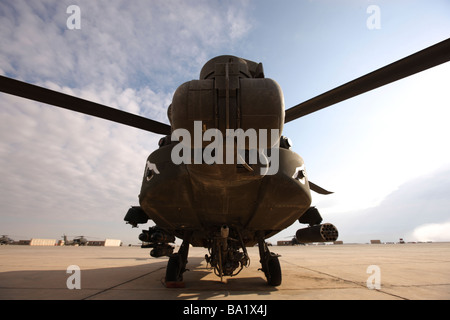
<point x="60" y="169"/>
<point x="384" y="139"/>
<point x="119" y="42"/>
<point x="55" y="160"/>
<point x="432" y="232"/>
<point x="416" y="203"/>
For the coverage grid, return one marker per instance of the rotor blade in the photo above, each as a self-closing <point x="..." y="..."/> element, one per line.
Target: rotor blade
<point x="417" y="62"/>
<point x="58" y="99"/>
<point x="314" y="187"/>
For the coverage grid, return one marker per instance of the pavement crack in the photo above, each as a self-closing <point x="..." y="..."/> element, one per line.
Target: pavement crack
<point x="122" y="283"/>
<point x="359" y="284"/>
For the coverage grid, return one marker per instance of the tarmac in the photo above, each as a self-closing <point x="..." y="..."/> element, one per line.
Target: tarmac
<point x="418" y="271"/>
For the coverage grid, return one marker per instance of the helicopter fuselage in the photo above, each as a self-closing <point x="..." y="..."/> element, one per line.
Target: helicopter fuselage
<point x="204" y="197"/>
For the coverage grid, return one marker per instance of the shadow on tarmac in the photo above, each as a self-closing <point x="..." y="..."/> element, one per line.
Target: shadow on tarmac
<point x="144" y="281"/>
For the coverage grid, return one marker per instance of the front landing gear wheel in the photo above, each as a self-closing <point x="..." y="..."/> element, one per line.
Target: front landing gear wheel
<point x="274" y="270"/>
<point x="173" y="271"/>
<point x="176" y="265"/>
<point x="270" y="264"/>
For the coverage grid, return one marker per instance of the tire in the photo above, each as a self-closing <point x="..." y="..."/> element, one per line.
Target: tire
<point x="274" y="271"/>
<point x="173" y="269"/>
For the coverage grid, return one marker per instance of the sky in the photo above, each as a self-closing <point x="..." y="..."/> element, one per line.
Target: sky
<point x="384" y="154"/>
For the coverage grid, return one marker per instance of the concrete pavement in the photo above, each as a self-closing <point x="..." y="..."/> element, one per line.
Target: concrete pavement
<point x="400" y="271"/>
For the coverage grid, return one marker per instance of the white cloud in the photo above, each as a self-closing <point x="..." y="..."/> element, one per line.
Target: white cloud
<point x="55" y="160"/>
<point x="386" y="138"/>
<point x="61" y="167"/>
<point x="416" y="203"/>
<point x="119" y="41"/>
<point x="239" y="24"/>
<point x="432" y="232"/>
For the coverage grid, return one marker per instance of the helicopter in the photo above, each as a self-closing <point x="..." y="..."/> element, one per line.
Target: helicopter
<point x="224" y="177"/>
<point x="77" y="241"/>
<point x="4" y="239"/>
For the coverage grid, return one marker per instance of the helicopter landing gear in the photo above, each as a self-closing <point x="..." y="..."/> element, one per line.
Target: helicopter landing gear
<point x="177" y="265"/>
<point x="225" y="255"/>
<point x="270" y="264"/>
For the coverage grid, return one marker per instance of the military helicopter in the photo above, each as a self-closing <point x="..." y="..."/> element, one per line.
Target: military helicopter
<point x="77" y="241"/>
<point x="4" y="239"/>
<point x="225" y="205"/>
